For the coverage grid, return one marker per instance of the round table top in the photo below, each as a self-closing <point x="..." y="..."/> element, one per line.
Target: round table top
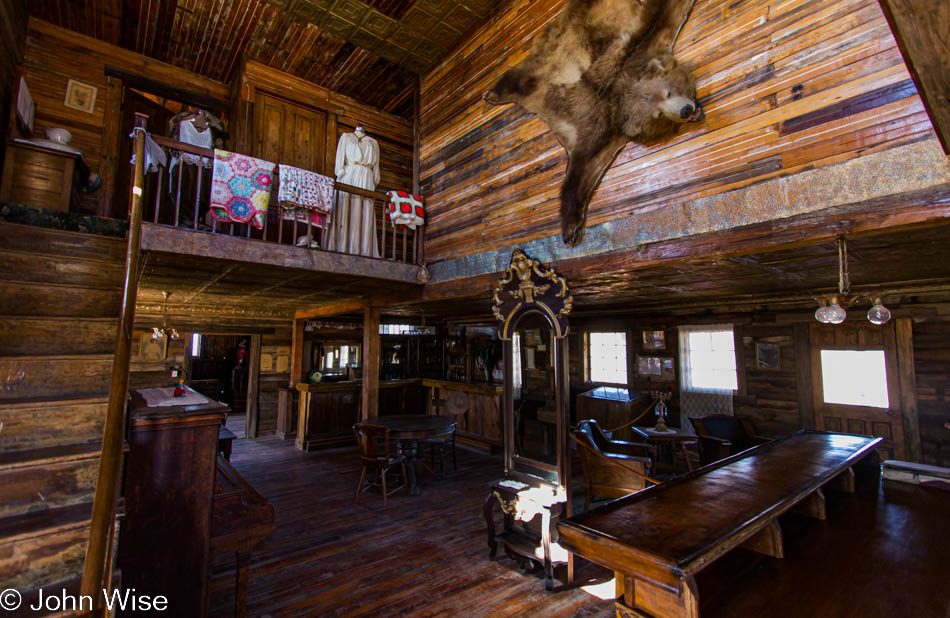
<point x="403" y="426"/>
<point x="672" y="434"/>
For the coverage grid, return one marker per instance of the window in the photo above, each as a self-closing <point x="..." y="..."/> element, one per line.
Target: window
<point x="708" y="358"/>
<point x="336" y="358"/>
<point x="607" y="357"/>
<point x="196" y="346"/>
<point x="854" y="377"/>
<point x="406" y="329"/>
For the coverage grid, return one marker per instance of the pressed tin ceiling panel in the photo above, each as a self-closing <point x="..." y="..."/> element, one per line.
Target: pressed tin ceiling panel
<point x="370" y="50"/>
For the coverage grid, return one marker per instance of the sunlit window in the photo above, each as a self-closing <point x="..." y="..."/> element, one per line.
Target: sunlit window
<point x="608" y="357"/>
<point x="196" y="346"/>
<point x="709" y="359"/>
<point x="854" y="377"/>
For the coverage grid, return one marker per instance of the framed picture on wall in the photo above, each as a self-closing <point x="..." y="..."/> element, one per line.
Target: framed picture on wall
<point x="767" y="356"/>
<point x="80" y="96"/>
<point x="654" y="340"/>
<point x="649" y="365"/>
<point x="151" y="349"/>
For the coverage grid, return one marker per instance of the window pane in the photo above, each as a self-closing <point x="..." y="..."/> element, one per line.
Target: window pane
<point x="709" y="359"/>
<point x="854" y="377"/>
<point x="608" y="357"/>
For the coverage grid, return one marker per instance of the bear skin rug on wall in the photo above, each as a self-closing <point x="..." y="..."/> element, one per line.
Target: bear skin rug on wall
<point x="601" y="75"/>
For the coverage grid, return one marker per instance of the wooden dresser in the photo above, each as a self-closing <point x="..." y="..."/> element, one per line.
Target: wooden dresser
<point x="42" y="177"/>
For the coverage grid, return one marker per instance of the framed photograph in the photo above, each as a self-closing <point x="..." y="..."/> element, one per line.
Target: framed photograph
<point x="654" y="340"/>
<point x="80" y="96"/>
<point x="767" y="356"/>
<point x="649" y="365"/>
<point x="152" y="349"/>
<point x="667" y="371"/>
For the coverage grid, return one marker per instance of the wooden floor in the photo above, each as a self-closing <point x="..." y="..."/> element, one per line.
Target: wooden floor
<point x="882" y="553"/>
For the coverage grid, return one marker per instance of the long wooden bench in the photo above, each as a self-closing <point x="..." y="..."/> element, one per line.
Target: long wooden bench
<point x="657" y="540"/>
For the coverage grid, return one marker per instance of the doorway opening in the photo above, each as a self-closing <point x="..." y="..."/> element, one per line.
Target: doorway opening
<point x="219" y="368"/>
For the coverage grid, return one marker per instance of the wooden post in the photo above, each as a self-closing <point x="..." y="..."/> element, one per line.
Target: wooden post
<point x="97" y="561"/>
<point x="371" y="359"/>
<point x="908" y="378"/>
<point x="296" y="354"/>
<point x="803" y="379"/>
<point x="108" y="168"/>
<point x="251" y="421"/>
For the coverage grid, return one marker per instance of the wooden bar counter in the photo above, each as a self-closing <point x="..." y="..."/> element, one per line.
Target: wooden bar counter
<point x="327" y="411"/>
<point x="658" y="539"/>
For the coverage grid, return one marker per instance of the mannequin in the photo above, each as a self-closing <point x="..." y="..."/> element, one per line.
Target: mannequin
<point x="354" y="220"/>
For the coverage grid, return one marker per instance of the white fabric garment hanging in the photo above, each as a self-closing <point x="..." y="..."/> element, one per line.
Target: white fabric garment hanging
<point x="354" y="218"/>
<point x="189" y="134"/>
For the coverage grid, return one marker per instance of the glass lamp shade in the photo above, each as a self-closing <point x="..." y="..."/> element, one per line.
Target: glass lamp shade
<point x="173" y="334"/>
<point x="835" y="312"/>
<point x="156" y="333"/>
<point x="821" y="313"/>
<point x="878" y="313"/>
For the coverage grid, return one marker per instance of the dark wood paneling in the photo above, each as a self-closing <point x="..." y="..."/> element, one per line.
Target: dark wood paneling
<point x="932" y="369"/>
<point x="13" y="19"/>
<point x="830" y="71"/>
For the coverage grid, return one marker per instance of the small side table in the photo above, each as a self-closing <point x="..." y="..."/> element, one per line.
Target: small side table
<point x="671" y="436"/>
<point x="524" y="532"/>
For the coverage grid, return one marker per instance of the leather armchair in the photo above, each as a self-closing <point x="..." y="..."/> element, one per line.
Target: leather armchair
<point x="721" y="436"/>
<point x="605" y="444"/>
<point x="609" y="475"/>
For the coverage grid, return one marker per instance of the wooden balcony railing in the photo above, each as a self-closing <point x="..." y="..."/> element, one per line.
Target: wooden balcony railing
<point x="180" y="197"/>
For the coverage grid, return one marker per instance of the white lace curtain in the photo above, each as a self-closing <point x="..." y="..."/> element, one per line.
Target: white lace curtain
<point x="707" y="371"/>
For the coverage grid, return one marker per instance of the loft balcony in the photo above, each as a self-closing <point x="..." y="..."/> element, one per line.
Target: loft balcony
<point x="185" y="248"/>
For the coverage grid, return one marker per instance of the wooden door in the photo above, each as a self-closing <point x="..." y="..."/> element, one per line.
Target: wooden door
<point x="290" y="134"/>
<point x="868" y="420"/>
<point x="158" y="117"/>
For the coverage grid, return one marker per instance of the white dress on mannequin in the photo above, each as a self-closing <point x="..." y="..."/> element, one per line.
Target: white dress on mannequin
<point x="354" y="219"/>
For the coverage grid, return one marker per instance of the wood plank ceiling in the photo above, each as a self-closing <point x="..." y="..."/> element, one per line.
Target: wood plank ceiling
<point x="371" y="50"/>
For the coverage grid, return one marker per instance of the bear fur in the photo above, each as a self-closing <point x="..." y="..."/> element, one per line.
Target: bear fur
<point x="602" y="75"/>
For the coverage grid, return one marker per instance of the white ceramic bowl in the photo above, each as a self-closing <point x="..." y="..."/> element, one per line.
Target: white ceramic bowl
<point x="60" y="136"/>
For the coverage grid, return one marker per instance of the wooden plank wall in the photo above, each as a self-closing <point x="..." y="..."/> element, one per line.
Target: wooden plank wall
<point x="155" y="374"/>
<point x="54" y="55"/>
<point x="932" y="367"/>
<point x="13" y="19"/>
<point x="787" y="85"/>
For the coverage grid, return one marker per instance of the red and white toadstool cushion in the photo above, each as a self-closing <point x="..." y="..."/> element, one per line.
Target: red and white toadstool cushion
<point x="406" y="209"/>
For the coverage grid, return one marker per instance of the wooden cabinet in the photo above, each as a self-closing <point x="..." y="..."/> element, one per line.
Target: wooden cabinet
<point x="612" y="407"/>
<point x="165" y="544"/>
<point x="42" y="177"/>
<point x="327" y="413"/>
<point x="291" y="134"/>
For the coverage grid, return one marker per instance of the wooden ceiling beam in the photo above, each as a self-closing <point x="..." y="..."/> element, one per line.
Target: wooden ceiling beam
<point x="920" y="27"/>
<point x="350" y="305"/>
<point x="885" y="215"/>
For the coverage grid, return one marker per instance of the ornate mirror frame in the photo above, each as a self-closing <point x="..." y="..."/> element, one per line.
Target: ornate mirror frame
<point x="529" y="287"/>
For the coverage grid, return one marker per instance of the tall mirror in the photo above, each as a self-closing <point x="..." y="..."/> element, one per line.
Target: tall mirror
<point x="531" y="304"/>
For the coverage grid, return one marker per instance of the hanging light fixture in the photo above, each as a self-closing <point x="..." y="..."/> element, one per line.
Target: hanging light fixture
<point x="831" y="308"/>
<point x="171" y="333"/>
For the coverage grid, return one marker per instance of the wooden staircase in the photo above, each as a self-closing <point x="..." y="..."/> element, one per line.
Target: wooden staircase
<point x="60" y="295"/>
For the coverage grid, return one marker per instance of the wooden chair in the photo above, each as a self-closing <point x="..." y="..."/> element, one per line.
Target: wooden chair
<point x="376" y="456"/>
<point x="615" y="447"/>
<point x="721" y="436"/>
<point x="439" y="447"/>
<point x="609" y="475"/>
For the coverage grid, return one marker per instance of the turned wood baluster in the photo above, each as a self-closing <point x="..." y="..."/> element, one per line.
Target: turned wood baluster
<point x="197" y="195"/>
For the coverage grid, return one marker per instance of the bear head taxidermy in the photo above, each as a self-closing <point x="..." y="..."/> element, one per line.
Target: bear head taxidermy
<point x="602" y="75"/>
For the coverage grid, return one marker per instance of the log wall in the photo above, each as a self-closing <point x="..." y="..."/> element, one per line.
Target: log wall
<point x="54" y="55"/>
<point x="788" y="85"/>
<point x="779" y="400"/>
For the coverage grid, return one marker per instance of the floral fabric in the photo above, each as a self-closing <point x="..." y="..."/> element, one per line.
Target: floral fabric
<point x="240" y="188"/>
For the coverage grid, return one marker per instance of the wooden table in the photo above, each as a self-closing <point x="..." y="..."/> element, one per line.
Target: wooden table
<point x="672" y="436"/>
<point x="658" y="539"/>
<point x="407" y="430"/>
